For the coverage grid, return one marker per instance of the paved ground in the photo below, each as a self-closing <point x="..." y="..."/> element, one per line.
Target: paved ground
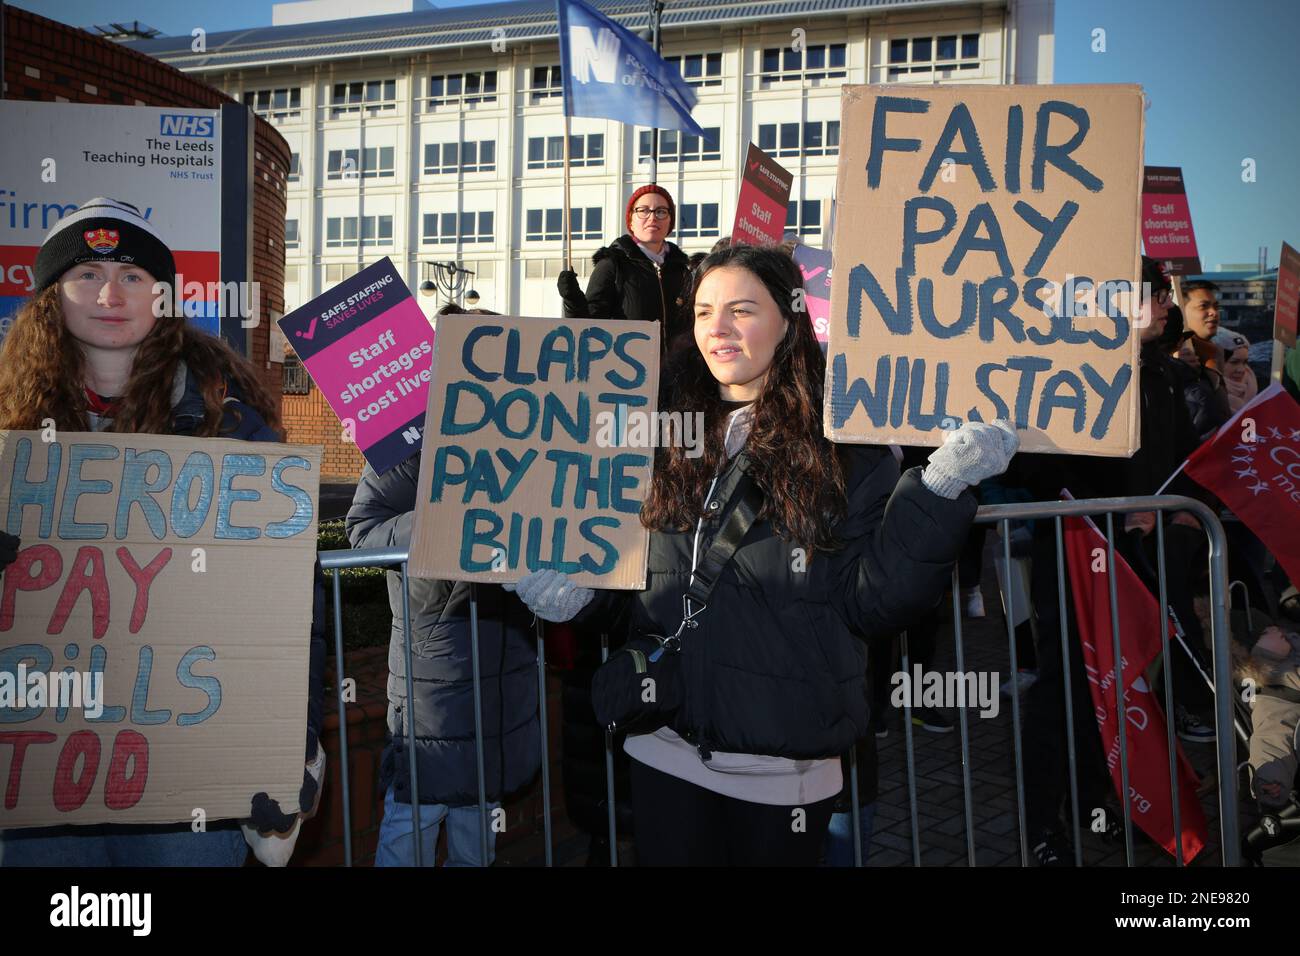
<point x="940" y="801"/>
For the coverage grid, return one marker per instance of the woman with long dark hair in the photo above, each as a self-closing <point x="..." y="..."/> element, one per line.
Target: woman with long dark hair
<point x="89" y="352"/>
<point x="746" y="769"/>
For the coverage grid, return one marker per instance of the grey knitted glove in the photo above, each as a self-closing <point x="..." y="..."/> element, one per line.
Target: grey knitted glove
<point x="551" y="595"/>
<point x="969" y="455"/>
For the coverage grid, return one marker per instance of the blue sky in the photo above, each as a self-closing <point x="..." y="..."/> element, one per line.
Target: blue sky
<point x="1219" y="75"/>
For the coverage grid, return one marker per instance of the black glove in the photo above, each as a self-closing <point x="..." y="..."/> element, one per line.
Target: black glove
<point x="9" y="546"/>
<point x="267" y="816"/>
<point x="567" y="283"/>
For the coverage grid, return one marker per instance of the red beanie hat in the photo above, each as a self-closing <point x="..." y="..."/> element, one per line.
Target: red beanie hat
<point x="659" y="190"/>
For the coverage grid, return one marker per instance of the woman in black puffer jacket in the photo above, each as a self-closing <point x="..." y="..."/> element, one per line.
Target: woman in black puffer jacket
<point x="773" y="686"/>
<point x="639" y="276"/>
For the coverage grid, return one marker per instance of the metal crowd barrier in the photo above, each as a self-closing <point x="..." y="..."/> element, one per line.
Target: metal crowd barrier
<point x="1002" y="515"/>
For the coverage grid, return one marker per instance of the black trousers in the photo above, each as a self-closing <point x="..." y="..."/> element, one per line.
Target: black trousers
<point x="680" y="824"/>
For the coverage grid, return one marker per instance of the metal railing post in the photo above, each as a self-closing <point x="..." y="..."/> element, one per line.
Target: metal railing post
<point x="478" y="725"/>
<point x="967" y="797"/>
<point x="1005" y="528"/>
<point x="1170" y="742"/>
<point x="546" y="760"/>
<point x="910" y="749"/>
<point x="343" y="771"/>
<point x="408" y="718"/>
<point x="609" y="771"/>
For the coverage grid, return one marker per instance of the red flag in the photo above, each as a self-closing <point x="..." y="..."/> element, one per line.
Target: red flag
<point x="1253" y="466"/>
<point x="1150" y="795"/>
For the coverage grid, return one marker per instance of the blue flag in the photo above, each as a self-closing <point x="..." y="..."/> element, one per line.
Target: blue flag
<point x="610" y="73"/>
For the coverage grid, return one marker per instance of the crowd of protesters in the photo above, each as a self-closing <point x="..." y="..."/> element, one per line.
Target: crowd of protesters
<point x="782" y="568"/>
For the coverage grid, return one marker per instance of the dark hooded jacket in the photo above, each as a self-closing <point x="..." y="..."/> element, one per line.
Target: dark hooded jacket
<point x="381" y="516"/>
<point x="777" y="664"/>
<point x="626" y="284"/>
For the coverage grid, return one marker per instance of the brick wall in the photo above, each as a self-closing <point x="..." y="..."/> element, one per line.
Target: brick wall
<point x="45" y="60"/>
<point x="309" y="420"/>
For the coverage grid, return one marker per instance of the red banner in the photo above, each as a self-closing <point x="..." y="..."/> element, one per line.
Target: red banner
<point x="1253" y="466"/>
<point x="763" y="204"/>
<point x="1287" y="305"/>
<point x="1150" y="794"/>
<point x="1167" y="221"/>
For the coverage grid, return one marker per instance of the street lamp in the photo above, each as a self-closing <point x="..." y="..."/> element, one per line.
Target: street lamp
<point x="450" y="280"/>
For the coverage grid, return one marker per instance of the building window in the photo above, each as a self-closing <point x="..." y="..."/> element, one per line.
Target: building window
<point x="374" y="96"/>
<point x="817" y="62"/>
<point x="540" y="224"/>
<point x="819" y="138"/>
<point x="290" y="275"/>
<point x="585" y="226"/>
<point x="277" y="104"/>
<point x="545" y="82"/>
<point x="291" y="233"/>
<point x="295" y="169"/>
<point x="697" y="220"/>
<point x="440" y="228"/>
<point x="294" y="377"/>
<point x="481" y="220"/>
<point x="676" y="146"/>
<point x="336" y="272"/>
<point x="473" y="156"/>
<point x="461" y="89"/>
<point x="445" y="228"/>
<point x="369" y="163"/>
<point x="804" y="218"/>
<point x="483" y="269"/>
<point x="944" y="55"/>
<point x="342" y="231"/>
<point x="699" y="69"/>
<point x="547" y="152"/>
<point x="547" y="224"/>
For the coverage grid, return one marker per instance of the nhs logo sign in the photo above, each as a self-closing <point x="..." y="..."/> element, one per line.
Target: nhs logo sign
<point x="185" y="124"/>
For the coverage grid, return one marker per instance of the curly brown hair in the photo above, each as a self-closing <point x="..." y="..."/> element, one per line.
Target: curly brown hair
<point x="42" y="375"/>
<point x="799" y="471"/>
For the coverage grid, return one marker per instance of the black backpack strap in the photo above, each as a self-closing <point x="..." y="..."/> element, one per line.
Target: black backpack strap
<point x="748" y="499"/>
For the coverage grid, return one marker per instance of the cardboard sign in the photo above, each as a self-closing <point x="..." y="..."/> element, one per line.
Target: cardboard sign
<point x="154" y="628"/>
<point x="369" y="348"/>
<point x="999" y="270"/>
<point x="764" y="200"/>
<point x="1167" y="221"/>
<point x="815" y="267"/>
<point x="541" y="440"/>
<point x="1286" y="307"/>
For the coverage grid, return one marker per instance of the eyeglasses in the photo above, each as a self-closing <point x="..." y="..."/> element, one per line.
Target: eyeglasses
<point x="1162" y="297"/>
<point x="645" y="212"/>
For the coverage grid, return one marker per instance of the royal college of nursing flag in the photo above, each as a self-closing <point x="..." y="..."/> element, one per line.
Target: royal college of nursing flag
<point x="1252" y="465"/>
<point x="610" y="73"/>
